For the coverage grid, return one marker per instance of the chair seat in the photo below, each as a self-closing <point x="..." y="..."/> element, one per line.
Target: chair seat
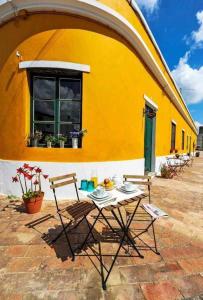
<point x="76" y="211"/>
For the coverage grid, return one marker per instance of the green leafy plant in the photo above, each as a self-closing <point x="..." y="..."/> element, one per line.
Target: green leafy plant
<point x="51" y="138"/>
<point x="62" y="138"/>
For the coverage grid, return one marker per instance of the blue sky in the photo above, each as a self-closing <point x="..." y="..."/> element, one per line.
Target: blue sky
<point x="178" y="29"/>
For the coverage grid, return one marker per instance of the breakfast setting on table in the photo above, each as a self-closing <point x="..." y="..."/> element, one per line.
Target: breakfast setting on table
<point x="109" y="191"/>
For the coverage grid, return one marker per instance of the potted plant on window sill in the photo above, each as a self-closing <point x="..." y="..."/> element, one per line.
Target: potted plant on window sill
<point x="34" y="138"/>
<point x="62" y="140"/>
<point x="50" y="140"/>
<point x="75" y="135"/>
<point x="29" y="179"/>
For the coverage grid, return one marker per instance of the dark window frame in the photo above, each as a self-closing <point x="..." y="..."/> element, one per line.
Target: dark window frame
<point x="173" y="136"/>
<point x="183" y="139"/>
<point x="57" y="75"/>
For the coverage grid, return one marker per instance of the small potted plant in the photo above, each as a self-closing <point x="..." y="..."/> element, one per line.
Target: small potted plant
<point x="177" y="155"/>
<point x="29" y="179"/>
<point x="34" y="138"/>
<point x="62" y="140"/>
<point x="166" y="172"/>
<point x="50" y="140"/>
<point x="75" y="135"/>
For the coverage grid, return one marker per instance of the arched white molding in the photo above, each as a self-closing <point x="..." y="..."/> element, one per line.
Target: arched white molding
<point x="101" y="13"/>
<point x="54" y="65"/>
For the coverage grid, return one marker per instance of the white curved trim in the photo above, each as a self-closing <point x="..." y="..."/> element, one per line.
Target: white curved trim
<point x="174" y="122"/>
<point x="151" y="103"/>
<point x="107" y="16"/>
<point x="54" y="65"/>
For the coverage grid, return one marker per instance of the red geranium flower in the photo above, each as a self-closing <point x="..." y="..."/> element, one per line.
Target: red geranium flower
<point x="38" y="170"/>
<point x="36" y="182"/>
<point x="31" y="168"/>
<point x="45" y="176"/>
<point x="15" y="179"/>
<point x="26" y="166"/>
<point x="20" y="170"/>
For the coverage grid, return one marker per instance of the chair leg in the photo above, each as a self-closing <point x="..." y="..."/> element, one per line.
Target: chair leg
<point x="68" y="241"/>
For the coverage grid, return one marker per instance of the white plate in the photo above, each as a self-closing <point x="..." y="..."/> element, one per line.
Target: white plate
<point x="122" y="189"/>
<point x="102" y="200"/>
<point x="105" y="195"/>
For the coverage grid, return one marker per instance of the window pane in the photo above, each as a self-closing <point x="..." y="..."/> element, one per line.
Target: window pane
<point x="45" y="129"/>
<point x="70" y="111"/>
<point x="44" y="110"/>
<point x="44" y="88"/>
<point x="70" y="89"/>
<point x="65" y="129"/>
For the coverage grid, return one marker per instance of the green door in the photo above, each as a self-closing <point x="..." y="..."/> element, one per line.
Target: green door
<point x="148" y="139"/>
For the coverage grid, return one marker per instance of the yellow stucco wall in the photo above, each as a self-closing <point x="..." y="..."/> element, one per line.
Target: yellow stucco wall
<point x="112" y="92"/>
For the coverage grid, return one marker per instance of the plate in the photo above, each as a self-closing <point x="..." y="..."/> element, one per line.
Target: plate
<point x="100" y="199"/>
<point x="122" y="189"/>
<point x="105" y="195"/>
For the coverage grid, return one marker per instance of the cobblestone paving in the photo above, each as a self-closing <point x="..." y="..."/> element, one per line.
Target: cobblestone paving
<point x="31" y="269"/>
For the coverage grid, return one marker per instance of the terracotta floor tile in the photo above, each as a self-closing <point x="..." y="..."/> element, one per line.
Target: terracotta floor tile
<point x="161" y="291"/>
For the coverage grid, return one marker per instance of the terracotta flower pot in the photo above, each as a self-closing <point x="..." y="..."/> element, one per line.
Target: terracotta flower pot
<point x="33" y="205"/>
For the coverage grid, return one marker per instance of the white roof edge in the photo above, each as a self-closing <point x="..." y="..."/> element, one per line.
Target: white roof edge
<point x="54" y="65"/>
<point x="137" y="9"/>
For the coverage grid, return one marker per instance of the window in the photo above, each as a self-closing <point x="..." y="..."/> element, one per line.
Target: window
<point x="187" y="141"/>
<point x="183" y="139"/>
<point x="56" y="103"/>
<point x="173" y="136"/>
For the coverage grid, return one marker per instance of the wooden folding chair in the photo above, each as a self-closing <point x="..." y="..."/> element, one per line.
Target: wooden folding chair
<point x="74" y="213"/>
<point x="142" y="216"/>
<point x="143" y="180"/>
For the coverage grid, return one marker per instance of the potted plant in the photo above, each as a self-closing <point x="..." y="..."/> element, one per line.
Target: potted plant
<point x="34" y="138"/>
<point x="197" y="153"/>
<point x="50" y="140"/>
<point x="75" y="135"/>
<point x="29" y="179"/>
<point x="177" y="155"/>
<point x="62" y="140"/>
<point x="166" y="172"/>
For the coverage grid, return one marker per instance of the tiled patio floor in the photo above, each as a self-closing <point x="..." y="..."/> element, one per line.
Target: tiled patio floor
<point x="31" y="269"/>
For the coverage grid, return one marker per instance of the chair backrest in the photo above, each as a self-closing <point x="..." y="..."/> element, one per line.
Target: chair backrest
<point x="63" y="180"/>
<point x="140" y="180"/>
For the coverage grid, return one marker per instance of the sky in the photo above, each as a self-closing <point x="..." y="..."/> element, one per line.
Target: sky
<point x="177" y="26"/>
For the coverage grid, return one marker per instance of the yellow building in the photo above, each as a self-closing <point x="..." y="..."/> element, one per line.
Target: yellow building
<point x="73" y="64"/>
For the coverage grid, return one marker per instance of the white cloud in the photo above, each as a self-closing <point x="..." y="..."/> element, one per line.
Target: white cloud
<point x="198" y="124"/>
<point x="197" y="36"/>
<point x="148" y="5"/>
<point x="190" y="80"/>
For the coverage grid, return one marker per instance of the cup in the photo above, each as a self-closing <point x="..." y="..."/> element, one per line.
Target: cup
<point x="90" y="186"/>
<point x="84" y="185"/>
<point x="100" y="191"/>
<point x="129" y="186"/>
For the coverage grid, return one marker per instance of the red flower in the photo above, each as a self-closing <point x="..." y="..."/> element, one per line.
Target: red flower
<point x="36" y="182"/>
<point x="45" y="176"/>
<point x="20" y="171"/>
<point x="15" y="179"/>
<point x="31" y="168"/>
<point x="28" y="176"/>
<point x="26" y="166"/>
<point x="38" y="170"/>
